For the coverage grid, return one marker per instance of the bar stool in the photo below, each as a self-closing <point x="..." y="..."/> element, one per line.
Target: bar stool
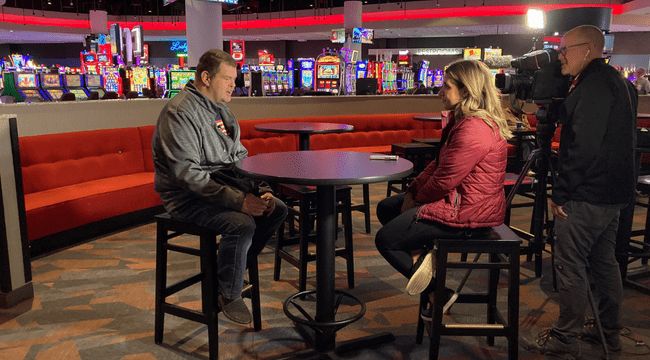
<point x="419" y="154"/>
<point x="642" y="249"/>
<point x="169" y="228"/>
<point x="301" y="201"/>
<point x="502" y="245"/>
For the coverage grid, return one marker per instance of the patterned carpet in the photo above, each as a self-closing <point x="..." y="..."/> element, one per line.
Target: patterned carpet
<point x="96" y="301"/>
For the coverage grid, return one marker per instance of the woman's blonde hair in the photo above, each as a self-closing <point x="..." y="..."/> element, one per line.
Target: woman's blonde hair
<point x="481" y="99"/>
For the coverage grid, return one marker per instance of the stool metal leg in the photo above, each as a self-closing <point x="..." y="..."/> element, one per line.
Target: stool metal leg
<point x="347" y="228"/>
<point x="366" y="209"/>
<point x="208" y="294"/>
<point x="254" y="279"/>
<point x="161" y="281"/>
<point x="438" y="303"/>
<point x="513" y="303"/>
<point x="493" y="284"/>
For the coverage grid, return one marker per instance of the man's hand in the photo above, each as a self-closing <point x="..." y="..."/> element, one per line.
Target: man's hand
<point x="269" y="199"/>
<point x="558" y="212"/>
<point x="409" y="202"/>
<point x="254" y="205"/>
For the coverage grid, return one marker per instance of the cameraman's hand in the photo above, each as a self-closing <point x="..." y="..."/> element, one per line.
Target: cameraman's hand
<point x="269" y="199"/>
<point x="254" y="205"/>
<point x="558" y="212"/>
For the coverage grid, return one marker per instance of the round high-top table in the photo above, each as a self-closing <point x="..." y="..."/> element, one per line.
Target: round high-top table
<point x="325" y="169"/>
<point x="304" y="130"/>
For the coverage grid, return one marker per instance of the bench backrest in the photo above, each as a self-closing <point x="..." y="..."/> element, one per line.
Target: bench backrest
<point x="57" y="160"/>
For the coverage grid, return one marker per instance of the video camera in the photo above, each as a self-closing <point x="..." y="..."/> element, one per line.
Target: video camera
<point x="539" y="77"/>
<point x="538" y="80"/>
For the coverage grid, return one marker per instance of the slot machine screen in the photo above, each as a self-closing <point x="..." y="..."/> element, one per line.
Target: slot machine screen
<point x="102" y="58"/>
<point x="27" y="81"/>
<point x="79" y="94"/>
<point x="51" y="80"/>
<point x="18" y="61"/>
<point x="72" y="80"/>
<point x="32" y="93"/>
<point x="179" y="79"/>
<point x="93" y="80"/>
<point x="90" y="58"/>
<point x="328" y="71"/>
<point x="55" y="93"/>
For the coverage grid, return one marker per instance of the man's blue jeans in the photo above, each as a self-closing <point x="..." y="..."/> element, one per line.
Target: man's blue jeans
<point x="587" y="238"/>
<point x="242" y="236"/>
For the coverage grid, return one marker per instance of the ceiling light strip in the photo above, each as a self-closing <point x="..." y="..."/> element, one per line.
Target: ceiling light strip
<point x="477" y="11"/>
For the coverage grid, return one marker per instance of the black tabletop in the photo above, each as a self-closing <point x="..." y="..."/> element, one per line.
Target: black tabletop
<point x="304" y="127"/>
<point x="322" y="167"/>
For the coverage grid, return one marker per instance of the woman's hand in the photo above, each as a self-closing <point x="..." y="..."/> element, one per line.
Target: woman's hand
<point x="409" y="202"/>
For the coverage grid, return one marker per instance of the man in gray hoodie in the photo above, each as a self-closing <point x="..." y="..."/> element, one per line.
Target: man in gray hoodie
<point x="195" y="146"/>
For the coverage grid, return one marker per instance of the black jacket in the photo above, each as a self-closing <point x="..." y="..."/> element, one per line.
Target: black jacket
<point x="598" y="139"/>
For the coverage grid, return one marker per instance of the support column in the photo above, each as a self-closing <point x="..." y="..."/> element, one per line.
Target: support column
<point x="15" y="264"/>
<point x="352" y="11"/>
<point x="203" y="21"/>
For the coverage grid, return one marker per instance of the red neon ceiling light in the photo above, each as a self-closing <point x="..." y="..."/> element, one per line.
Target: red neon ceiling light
<point x="475" y="11"/>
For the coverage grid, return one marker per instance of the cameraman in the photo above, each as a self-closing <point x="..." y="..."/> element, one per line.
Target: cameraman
<point x="596" y="180"/>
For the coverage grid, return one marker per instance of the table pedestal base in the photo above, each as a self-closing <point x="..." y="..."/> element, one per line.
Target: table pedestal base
<point x="325" y="332"/>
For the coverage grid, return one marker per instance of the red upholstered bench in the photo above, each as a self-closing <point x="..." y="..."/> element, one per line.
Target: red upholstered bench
<point x="75" y="179"/>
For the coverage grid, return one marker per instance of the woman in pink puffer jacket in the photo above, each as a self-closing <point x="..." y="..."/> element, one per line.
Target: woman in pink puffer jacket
<point x="461" y="194"/>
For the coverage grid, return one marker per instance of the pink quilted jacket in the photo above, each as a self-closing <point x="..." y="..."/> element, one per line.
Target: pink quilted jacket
<point x="464" y="188"/>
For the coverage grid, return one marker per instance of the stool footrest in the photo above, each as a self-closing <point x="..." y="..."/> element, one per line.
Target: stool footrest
<point x="474" y="326"/>
<point x="183" y="249"/>
<point x="184" y="313"/>
<point x="183" y="284"/>
<point x="476" y="265"/>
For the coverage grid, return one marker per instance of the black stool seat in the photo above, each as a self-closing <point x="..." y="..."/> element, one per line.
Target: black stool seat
<point x="301" y="202"/>
<point x="416" y="152"/>
<point x="502" y="245"/>
<point x="169" y="228"/>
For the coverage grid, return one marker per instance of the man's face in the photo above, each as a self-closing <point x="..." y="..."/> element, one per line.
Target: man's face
<point x="221" y="86"/>
<point x="573" y="54"/>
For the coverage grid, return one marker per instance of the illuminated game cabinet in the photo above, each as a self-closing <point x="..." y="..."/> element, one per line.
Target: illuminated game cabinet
<point x="52" y="87"/>
<point x="328" y="74"/>
<point x="94" y="83"/>
<point x="307" y="73"/>
<point x="438" y="77"/>
<point x="177" y="80"/>
<point x="28" y="87"/>
<point x="112" y="81"/>
<point x="161" y="79"/>
<point x="74" y="84"/>
<point x="139" y="79"/>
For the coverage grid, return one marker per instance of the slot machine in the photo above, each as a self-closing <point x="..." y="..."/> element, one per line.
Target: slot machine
<point x="139" y="79"/>
<point x="112" y="80"/>
<point x="94" y="83"/>
<point x="306" y="73"/>
<point x="52" y="87"/>
<point x="177" y="80"/>
<point x="328" y="73"/>
<point x="74" y="83"/>
<point x="28" y="88"/>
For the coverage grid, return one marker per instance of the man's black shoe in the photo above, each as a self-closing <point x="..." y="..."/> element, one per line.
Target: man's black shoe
<point x="591" y="334"/>
<point x="547" y="343"/>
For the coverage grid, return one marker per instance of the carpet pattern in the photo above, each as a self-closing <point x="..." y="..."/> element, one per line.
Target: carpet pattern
<point x="96" y="301"/>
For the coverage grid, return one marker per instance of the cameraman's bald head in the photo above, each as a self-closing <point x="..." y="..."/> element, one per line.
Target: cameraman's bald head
<point x="579" y="47"/>
<point x="591" y="34"/>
